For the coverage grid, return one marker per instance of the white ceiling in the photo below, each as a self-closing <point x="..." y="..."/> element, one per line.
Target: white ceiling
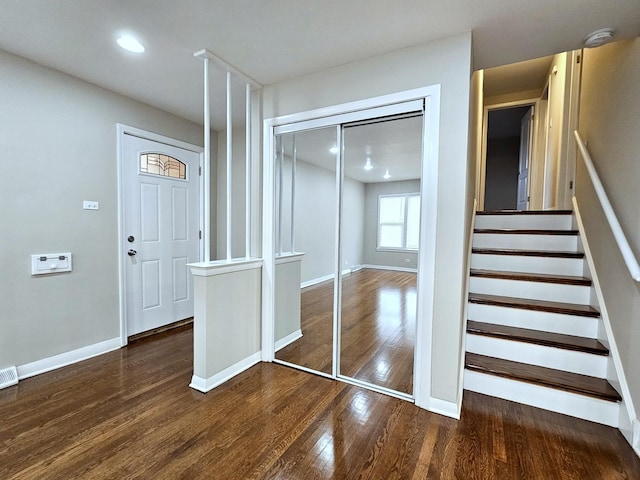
<point x="393" y="145"/>
<point x="281" y="39"/>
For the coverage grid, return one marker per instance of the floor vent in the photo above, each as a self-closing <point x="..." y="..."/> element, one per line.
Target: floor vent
<point x="8" y="377"/>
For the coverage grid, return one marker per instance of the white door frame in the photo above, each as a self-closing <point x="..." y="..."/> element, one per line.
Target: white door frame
<point x="429" y="195"/>
<point x="123" y="130"/>
<point x="482" y="171"/>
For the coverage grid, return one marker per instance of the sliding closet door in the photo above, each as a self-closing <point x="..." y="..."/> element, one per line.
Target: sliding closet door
<point x="380" y="224"/>
<point x="306" y="212"/>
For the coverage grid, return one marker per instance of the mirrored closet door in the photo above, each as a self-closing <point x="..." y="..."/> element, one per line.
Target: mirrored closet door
<point x="347" y="223"/>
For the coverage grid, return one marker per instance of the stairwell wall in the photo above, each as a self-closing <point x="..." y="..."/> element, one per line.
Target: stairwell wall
<point x="609" y="121"/>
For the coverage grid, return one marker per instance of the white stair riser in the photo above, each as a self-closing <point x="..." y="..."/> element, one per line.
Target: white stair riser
<point x="550" y="357"/>
<point x="562" y="243"/>
<point x="526" y="222"/>
<point x="545" y="321"/>
<point x="518" y="263"/>
<point x="533" y="290"/>
<point x="575" y="405"/>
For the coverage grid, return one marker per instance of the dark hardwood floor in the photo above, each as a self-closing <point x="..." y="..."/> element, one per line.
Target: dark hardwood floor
<point x="130" y="414"/>
<point x="377" y="331"/>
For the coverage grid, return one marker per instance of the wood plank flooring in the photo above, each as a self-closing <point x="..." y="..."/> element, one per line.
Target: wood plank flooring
<point x="377" y="331"/>
<point x="130" y="414"/>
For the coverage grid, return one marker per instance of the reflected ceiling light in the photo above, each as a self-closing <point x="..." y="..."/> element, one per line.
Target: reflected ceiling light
<point x="333" y="150"/>
<point x="130" y="44"/>
<point x="599" y="37"/>
<point x="386" y="175"/>
<point x="367" y="165"/>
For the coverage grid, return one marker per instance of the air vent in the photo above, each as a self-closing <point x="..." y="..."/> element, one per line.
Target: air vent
<point x="8" y="377"/>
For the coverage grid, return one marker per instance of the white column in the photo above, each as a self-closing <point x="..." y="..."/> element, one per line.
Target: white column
<point x="229" y="166"/>
<point x="247" y="179"/>
<point x="206" y="168"/>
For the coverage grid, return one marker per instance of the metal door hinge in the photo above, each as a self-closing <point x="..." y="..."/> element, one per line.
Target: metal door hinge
<point x="200" y="171"/>
<point x="200" y="235"/>
<point x="571" y="185"/>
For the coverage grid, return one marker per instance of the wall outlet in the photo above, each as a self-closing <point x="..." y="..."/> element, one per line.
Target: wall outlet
<point x="90" y="205"/>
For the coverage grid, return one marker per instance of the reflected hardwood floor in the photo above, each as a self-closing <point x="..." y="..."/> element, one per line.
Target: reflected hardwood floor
<point x="377" y="331"/>
<point x="130" y="414"/>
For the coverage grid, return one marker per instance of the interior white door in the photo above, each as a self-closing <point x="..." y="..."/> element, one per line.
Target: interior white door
<point x="526" y="125"/>
<point x="161" y="229"/>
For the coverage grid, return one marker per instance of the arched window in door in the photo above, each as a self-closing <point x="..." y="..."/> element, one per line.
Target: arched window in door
<point x="163" y="165"/>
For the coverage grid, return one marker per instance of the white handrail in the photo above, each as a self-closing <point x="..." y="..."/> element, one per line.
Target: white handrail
<point x="618" y="233"/>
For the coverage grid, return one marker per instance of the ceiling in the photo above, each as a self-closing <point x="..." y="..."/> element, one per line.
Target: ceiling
<point x="517" y="77"/>
<point x="391" y="145"/>
<point x="280" y="39"/>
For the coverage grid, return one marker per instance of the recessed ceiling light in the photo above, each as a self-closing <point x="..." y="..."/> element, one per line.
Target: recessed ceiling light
<point x="386" y="175"/>
<point x="367" y="165"/>
<point x="130" y="44"/>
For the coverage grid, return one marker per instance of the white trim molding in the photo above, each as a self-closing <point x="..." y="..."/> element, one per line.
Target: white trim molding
<point x="67" y="358"/>
<point x="205" y="385"/>
<point x="389" y="267"/>
<point x="289" y="339"/>
<point x="442" y="407"/>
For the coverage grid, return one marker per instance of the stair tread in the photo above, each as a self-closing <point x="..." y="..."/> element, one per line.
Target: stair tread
<point x="538" y="337"/>
<point x="524" y="212"/>
<point x="527" y="253"/>
<point x="525" y="231"/>
<point x="532" y="277"/>
<point x="548" y="377"/>
<point x="539" y="305"/>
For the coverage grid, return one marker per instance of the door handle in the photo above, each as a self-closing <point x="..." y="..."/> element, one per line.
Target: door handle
<point x="131" y="252"/>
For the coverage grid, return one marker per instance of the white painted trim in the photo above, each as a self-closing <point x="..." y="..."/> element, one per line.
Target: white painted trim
<point x="442" y="407"/>
<point x="121" y="130"/>
<point x="67" y="358"/>
<point x="220" y="267"/>
<point x="636" y="437"/>
<point x="315" y="281"/>
<point x="289" y="258"/>
<point x="389" y="267"/>
<point x="465" y="310"/>
<point x="289" y="339"/>
<point x="606" y="322"/>
<point x="430" y="96"/>
<point x="567" y="403"/>
<point x="365" y="104"/>
<point x="205" y="385"/>
<point x="427" y="259"/>
<point x="483" y="149"/>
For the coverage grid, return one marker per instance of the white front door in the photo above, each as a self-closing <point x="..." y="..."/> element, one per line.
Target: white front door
<point x="526" y="125"/>
<point x="161" y="192"/>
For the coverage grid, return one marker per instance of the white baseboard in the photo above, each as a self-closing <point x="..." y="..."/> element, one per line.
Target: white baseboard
<point x="315" y="281"/>
<point x="67" y="358"/>
<point x="292" y="337"/>
<point x="636" y="437"/>
<point x="388" y="267"/>
<point x="442" y="407"/>
<point x="205" y="385"/>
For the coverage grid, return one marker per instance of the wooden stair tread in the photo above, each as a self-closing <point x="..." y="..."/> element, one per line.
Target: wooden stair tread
<point x="537" y="337"/>
<point x="525" y="212"/>
<point x="531" y="277"/>
<point x="548" y="377"/>
<point x="527" y="253"/>
<point x="524" y="231"/>
<point x="538" y="305"/>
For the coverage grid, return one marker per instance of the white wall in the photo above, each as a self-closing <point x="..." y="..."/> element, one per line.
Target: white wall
<point x="556" y="143"/>
<point x="446" y="62"/>
<point x="371" y="255"/>
<point x="58" y="144"/>
<point x="610" y="121"/>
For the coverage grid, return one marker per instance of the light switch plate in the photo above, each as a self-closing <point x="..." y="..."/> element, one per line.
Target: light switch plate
<point x="90" y="205"/>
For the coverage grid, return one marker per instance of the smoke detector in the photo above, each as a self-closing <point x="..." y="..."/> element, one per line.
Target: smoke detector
<point x="599" y="37"/>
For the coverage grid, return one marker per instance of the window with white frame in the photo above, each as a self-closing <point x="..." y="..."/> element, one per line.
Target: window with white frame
<point x="399" y="222"/>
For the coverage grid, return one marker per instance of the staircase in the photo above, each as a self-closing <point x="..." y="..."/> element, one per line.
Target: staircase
<point x="534" y="332"/>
